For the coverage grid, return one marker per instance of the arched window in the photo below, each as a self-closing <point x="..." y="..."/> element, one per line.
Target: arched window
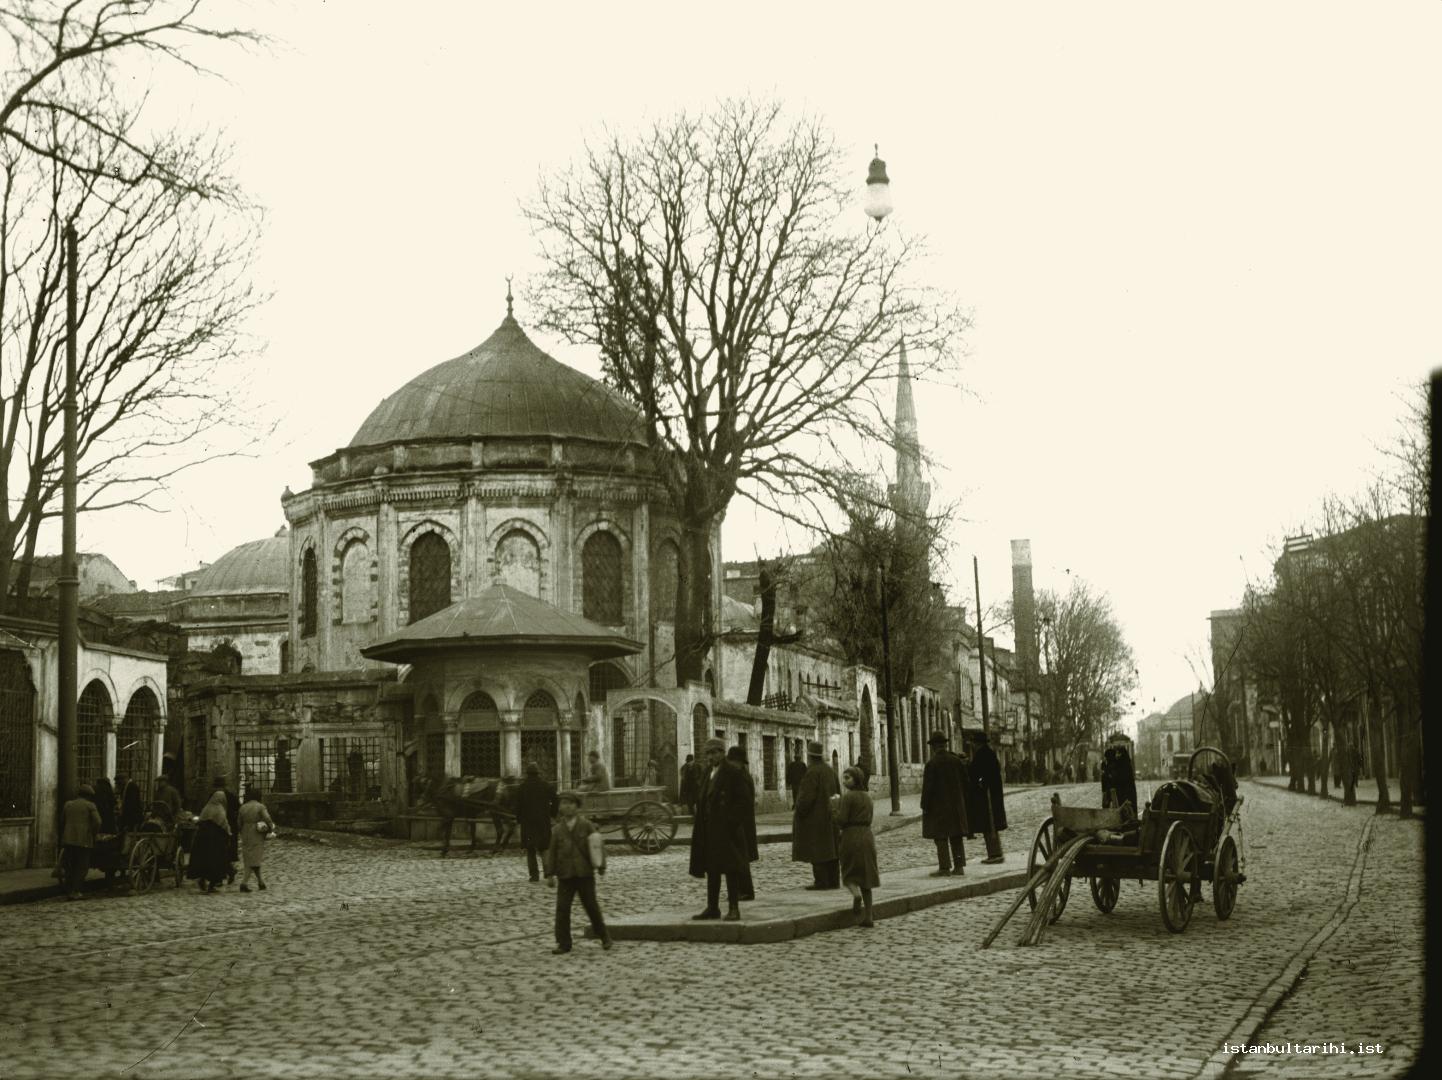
<point x="601" y="579"/>
<point x="92" y="721"/>
<point x="540" y="724"/>
<point x="518" y="562"/>
<point x="430" y="576"/>
<point x="480" y="736"/>
<point x="355" y="583"/>
<point x="134" y="740"/>
<point x="308" y="593"/>
<point x="665" y="577"/>
<point x="605" y="677"/>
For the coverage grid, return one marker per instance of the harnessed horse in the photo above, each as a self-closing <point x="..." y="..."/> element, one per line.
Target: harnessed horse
<point x="473" y="797"/>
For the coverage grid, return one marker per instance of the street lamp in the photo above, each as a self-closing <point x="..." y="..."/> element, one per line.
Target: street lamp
<point x="878" y="189"/>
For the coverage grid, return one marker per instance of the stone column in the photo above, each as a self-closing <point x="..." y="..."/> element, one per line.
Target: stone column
<point x="511" y="742"/>
<point x="386" y="577"/>
<point x="453" y="745"/>
<point x="110" y="752"/>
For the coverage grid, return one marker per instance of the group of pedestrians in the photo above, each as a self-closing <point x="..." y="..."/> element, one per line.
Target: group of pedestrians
<point x="229" y="832"/>
<point x="960" y="798"/>
<point x="95" y="819"/>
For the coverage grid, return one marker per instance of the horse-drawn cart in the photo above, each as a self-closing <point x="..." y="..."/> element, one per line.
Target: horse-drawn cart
<point x="1189" y="833"/>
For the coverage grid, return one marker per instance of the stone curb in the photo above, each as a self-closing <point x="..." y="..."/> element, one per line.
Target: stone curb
<point x="1272" y="994"/>
<point x="766" y="931"/>
<point x="51" y="891"/>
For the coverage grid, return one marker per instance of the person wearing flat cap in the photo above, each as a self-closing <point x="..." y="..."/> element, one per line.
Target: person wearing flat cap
<point x="943" y="807"/>
<point x="718" y="836"/>
<point x="744" y="884"/>
<point x="80" y="825"/>
<point x="813" y="834"/>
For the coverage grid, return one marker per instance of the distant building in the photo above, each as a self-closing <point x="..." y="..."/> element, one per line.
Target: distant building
<point x="98" y="576"/>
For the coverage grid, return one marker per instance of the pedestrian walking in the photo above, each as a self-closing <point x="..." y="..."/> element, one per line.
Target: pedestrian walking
<point x="813" y="834"/>
<point x="574" y="857"/>
<point x="535" y="807"/>
<point x="232" y="818"/>
<point x="210" y="851"/>
<point x="718" y="836"/>
<point x="690" y="781"/>
<point x="857" y="849"/>
<point x="745" y="887"/>
<point x="256" y="828"/>
<point x="80" y="826"/>
<point x="943" y="807"/>
<point x="795" y="770"/>
<point x="986" y="775"/>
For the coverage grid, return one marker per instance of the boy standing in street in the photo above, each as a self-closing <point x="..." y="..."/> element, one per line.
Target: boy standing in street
<point x="572" y="859"/>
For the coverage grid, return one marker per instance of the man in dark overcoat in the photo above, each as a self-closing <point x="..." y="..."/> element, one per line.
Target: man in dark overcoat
<point x="718" y="837"/>
<point x="535" y="806"/>
<point x="747" y="887"/>
<point x="795" y="770"/>
<point x="943" y="806"/>
<point x="986" y="777"/>
<point x="813" y="836"/>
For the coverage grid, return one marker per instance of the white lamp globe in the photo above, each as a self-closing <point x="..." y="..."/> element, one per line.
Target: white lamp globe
<point x="878" y="189"/>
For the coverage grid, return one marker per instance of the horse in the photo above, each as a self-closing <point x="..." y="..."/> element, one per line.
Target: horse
<point x="472" y="797"/>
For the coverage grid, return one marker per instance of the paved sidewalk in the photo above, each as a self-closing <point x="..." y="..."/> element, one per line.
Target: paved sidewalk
<point x="794" y="913"/>
<point x="1366" y="791"/>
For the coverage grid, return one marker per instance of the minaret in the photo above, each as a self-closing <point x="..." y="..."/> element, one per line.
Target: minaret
<point x="910" y="495"/>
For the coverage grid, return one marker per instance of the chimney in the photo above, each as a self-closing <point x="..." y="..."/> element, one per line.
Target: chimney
<point x="1023" y="604"/>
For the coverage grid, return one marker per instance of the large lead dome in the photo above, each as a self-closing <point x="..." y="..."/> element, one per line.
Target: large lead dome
<point x="505" y="386"/>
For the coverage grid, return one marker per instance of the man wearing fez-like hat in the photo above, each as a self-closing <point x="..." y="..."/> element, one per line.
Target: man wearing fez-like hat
<point x="718" y="837"/>
<point x="813" y="837"/>
<point x="943" y="806"/>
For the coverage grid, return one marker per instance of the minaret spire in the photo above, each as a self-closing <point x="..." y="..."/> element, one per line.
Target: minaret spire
<point x="910" y="494"/>
<point x="509" y="313"/>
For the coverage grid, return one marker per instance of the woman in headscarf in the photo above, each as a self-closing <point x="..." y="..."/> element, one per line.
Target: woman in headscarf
<point x="857" y="850"/>
<point x="132" y="811"/>
<point x="210" y="853"/>
<point x="107" y="842"/>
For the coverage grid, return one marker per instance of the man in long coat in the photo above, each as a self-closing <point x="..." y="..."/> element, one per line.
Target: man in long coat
<point x="986" y="777"/>
<point x="744" y="884"/>
<point x="943" y="806"/>
<point x="718" y="837"/>
<point x="690" y="778"/>
<point x="535" y="806"/>
<point x="1119" y="781"/>
<point x="813" y="836"/>
<point x="795" y="770"/>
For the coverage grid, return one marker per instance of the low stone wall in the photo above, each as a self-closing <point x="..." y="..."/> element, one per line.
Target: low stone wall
<point x="15" y="839"/>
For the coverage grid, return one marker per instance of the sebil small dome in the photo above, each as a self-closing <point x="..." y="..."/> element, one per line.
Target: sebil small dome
<point x="260" y="566"/>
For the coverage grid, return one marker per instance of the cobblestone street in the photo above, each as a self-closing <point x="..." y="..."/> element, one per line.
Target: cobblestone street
<point x="375" y="958"/>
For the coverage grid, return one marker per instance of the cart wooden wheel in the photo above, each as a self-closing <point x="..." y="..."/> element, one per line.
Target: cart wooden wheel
<point x="1178" y="872"/>
<point x="648" y="827"/>
<point x="1105" y="891"/>
<point x="1225" y="878"/>
<point x="144" y="866"/>
<point x="1041" y="848"/>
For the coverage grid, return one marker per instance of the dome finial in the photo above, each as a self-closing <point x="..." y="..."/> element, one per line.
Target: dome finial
<point x="509" y="315"/>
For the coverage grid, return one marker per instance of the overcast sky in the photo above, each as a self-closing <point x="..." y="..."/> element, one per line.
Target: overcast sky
<point x="1199" y="243"/>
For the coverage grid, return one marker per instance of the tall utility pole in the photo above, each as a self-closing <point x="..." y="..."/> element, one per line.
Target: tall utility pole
<point x="69" y="580"/>
<point x="892" y="764"/>
<point x="981" y="649"/>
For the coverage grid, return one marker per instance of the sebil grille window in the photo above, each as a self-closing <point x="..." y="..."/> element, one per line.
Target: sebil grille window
<point x="92" y="720"/>
<point x="351" y="767"/>
<point x="135" y="739"/>
<point x="17" y="736"/>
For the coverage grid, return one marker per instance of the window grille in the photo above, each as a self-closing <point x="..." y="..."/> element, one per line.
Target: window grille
<point x="266" y="765"/>
<point x="17" y="736"/>
<point x="540" y="711"/>
<point x="638" y="735"/>
<point x="351" y="767"/>
<point x="575" y="737"/>
<point x="601" y="579"/>
<point x="700" y="728"/>
<point x="308" y="593"/>
<point x="135" y="740"/>
<point x="768" y="763"/>
<point x="91" y="722"/>
<point x="430" y="584"/>
<point x="195" y="752"/>
<point x="605" y="677"/>
<point x="540" y="747"/>
<point x="436" y="754"/>
<point x="481" y="753"/>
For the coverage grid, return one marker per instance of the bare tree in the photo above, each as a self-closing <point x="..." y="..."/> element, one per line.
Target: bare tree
<point x="720" y="265"/>
<point x="165" y="245"/>
<point x="1089" y="666"/>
